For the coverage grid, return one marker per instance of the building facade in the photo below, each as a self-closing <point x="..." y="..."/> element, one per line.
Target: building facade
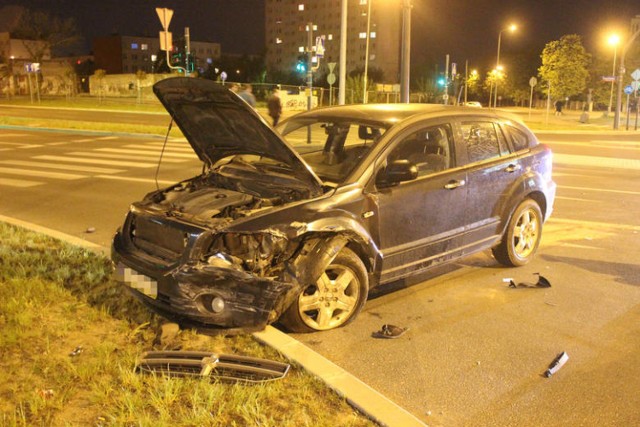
<point x="127" y="54"/>
<point x="286" y="23"/>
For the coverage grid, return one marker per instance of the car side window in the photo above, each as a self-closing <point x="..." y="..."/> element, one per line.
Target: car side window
<point x="428" y="149"/>
<point x="483" y="141"/>
<point x="519" y="139"/>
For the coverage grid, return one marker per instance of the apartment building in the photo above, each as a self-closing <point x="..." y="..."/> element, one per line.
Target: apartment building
<point x="287" y="37"/>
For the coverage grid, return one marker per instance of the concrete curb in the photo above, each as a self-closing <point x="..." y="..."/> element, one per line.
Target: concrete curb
<point x="367" y="400"/>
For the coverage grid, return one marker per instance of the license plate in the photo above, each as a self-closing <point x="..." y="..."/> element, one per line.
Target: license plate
<point x="137" y="281"/>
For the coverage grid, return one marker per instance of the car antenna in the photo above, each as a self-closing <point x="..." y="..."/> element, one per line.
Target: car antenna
<point x="162" y="152"/>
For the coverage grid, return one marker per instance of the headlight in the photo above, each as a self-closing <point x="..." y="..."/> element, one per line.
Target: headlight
<point x="256" y="251"/>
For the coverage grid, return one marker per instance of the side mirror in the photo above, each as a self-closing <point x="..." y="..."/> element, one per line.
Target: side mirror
<point x="396" y="172"/>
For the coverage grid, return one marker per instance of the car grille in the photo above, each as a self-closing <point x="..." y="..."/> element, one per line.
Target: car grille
<point x="158" y="239"/>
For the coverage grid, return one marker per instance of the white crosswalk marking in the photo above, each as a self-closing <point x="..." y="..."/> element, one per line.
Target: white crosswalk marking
<point x="43" y="174"/>
<point x="96" y="161"/>
<point x="18" y="183"/>
<point x="59" y="166"/>
<point x="157" y="148"/>
<point x="126" y="157"/>
<point x="166" y="153"/>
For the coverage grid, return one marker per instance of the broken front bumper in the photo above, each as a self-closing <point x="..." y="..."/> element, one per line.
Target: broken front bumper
<point x="202" y="295"/>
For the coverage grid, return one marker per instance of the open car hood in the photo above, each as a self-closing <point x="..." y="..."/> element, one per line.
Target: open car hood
<point x="217" y="123"/>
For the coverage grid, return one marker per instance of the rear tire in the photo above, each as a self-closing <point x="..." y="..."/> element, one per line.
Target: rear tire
<point x="334" y="300"/>
<point x="522" y="236"/>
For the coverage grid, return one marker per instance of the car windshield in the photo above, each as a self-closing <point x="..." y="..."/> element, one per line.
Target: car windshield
<point x="332" y="148"/>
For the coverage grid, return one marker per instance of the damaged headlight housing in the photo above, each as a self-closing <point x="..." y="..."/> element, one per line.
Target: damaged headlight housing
<point x="252" y="252"/>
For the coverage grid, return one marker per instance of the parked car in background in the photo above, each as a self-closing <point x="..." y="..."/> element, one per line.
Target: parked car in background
<point x="475" y="104"/>
<point x="298" y="224"/>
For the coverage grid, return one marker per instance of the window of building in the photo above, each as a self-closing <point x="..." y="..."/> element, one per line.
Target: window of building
<point x="278" y="40"/>
<point x="300" y="49"/>
<point x="144" y="46"/>
<point x="372" y="34"/>
<point x="330" y="37"/>
<point x="301" y="7"/>
<point x="363" y="35"/>
<point x="134" y="46"/>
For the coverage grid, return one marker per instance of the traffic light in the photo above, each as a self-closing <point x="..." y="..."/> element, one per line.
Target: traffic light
<point x="442" y="81"/>
<point x="301" y="65"/>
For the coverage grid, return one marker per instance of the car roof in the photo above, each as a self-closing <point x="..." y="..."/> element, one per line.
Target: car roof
<point x="389" y="114"/>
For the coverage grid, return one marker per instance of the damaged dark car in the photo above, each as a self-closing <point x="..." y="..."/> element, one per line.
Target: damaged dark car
<point x="297" y="224"/>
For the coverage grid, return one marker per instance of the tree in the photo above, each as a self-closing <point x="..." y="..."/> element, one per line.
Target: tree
<point x="48" y="32"/>
<point x="565" y="65"/>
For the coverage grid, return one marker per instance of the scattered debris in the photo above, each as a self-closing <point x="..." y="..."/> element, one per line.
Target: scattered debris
<point x="76" y="351"/>
<point x="557" y="363"/>
<point x="389" y="331"/>
<point x="541" y="283"/>
<point x="45" y="394"/>
<point x="90" y="230"/>
<point x="205" y="364"/>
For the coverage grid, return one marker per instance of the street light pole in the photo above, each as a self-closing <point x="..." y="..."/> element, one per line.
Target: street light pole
<point x="406" y="51"/>
<point x="342" y="71"/>
<point x="512" y="28"/>
<point x="366" y="53"/>
<point x="613" y="40"/>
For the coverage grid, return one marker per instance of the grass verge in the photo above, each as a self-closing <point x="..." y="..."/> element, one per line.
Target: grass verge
<point x="70" y="336"/>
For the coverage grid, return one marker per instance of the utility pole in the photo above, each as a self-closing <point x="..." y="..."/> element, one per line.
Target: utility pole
<point x="187" y="50"/>
<point x="309" y="65"/>
<point x="619" y="77"/>
<point x="342" y="71"/>
<point x="406" y="51"/>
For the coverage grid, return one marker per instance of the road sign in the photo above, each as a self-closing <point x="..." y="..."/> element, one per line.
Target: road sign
<point x="533" y="82"/>
<point x="320" y="46"/>
<point x="636" y="74"/>
<point x="635" y="84"/>
<point x="608" y="78"/>
<point x="628" y="90"/>
<point x="332" y="66"/>
<point x="331" y="78"/>
<point x="223" y="76"/>
<point x="165" y="16"/>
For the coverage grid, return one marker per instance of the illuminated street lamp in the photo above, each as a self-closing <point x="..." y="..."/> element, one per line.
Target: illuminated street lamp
<point x="511" y="28"/>
<point x="614" y="40"/>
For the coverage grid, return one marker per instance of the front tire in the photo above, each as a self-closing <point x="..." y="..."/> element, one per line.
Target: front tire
<point x="334" y="300"/>
<point x="522" y="236"/>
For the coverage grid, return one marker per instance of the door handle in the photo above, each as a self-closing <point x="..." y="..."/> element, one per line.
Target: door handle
<point x="454" y="183"/>
<point x="512" y="168"/>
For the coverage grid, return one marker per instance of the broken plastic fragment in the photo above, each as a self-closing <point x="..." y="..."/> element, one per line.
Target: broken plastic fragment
<point x="541" y="283"/>
<point x="389" y="331"/>
<point x="76" y="351"/>
<point x="557" y="363"/>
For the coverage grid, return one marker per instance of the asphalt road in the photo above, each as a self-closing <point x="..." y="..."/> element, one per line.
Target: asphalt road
<point x="475" y="349"/>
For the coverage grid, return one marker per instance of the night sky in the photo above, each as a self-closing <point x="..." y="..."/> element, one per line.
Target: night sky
<point x="465" y="29"/>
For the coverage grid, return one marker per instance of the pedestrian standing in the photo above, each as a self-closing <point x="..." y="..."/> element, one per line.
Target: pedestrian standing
<point x="274" y="106"/>
<point x="247" y="95"/>
<point x="558" y="105"/>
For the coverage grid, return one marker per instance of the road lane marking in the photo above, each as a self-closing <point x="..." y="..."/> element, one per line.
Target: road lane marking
<point x="123" y="151"/>
<point x="43" y="174"/>
<point x="58" y="166"/>
<point x="96" y="161"/>
<point x="601" y="190"/>
<point x="593" y="161"/>
<point x="622" y="145"/>
<point x="578" y="200"/>
<point x="18" y="183"/>
<point x="142" y="180"/>
<point x="595" y="224"/>
<point x="125" y="157"/>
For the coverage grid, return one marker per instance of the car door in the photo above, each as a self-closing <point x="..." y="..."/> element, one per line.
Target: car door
<point x="420" y="222"/>
<point x="492" y="172"/>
